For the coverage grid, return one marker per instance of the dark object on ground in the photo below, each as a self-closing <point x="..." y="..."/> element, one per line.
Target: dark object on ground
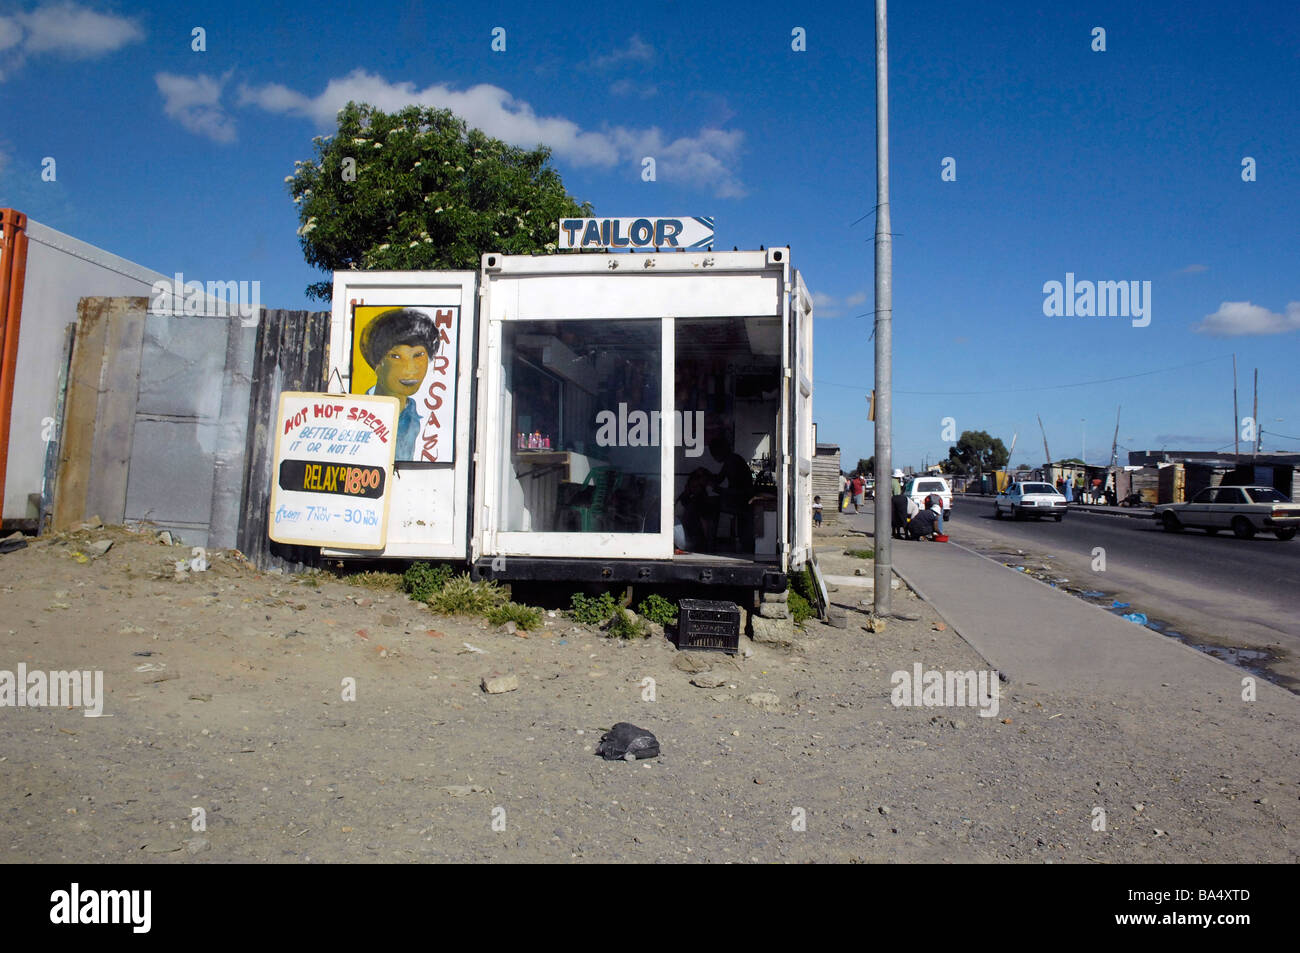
<point x="627" y="742"/>
<point x="12" y="544"/>
<point x="707" y="626"/>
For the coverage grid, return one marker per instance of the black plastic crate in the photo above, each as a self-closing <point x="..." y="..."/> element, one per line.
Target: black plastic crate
<point x="704" y="626"/>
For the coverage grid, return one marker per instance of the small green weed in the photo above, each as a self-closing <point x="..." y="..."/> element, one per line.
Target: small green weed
<point x="861" y="553"/>
<point x="592" y="610"/>
<point x="525" y="617"/>
<point x="800" y="609"/>
<point x="622" y="626"/>
<point x="658" y="610"/>
<point x="461" y="595"/>
<point x="423" y="580"/>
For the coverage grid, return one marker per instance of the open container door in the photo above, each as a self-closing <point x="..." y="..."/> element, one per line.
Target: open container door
<point x="802" y="435"/>
<point x="381" y="323"/>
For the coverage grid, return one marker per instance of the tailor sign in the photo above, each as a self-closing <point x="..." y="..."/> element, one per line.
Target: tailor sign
<point x="689" y="232"/>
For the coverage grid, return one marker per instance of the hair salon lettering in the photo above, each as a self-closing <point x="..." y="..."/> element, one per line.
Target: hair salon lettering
<point x="640" y="428"/>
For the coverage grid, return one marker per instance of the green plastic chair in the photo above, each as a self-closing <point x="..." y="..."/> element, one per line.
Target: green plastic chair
<point x="603" y="482"/>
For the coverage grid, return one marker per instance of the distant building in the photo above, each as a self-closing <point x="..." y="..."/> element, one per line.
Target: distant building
<point x="1190" y="471"/>
<point x="826" y="479"/>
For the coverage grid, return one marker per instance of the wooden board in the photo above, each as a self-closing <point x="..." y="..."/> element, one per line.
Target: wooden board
<point x="123" y="321"/>
<point x="78" y="427"/>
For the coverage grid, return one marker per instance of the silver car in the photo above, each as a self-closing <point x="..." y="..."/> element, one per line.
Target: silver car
<point x="1246" y="510"/>
<point x="1023" y="500"/>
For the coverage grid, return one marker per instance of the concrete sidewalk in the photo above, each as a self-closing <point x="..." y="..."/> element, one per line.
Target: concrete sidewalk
<point x="1044" y="637"/>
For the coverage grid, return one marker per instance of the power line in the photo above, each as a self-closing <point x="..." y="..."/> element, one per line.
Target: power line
<point x="1022" y="390"/>
<point x="1274" y="433"/>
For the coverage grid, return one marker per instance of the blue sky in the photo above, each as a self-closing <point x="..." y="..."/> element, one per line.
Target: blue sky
<point x="1122" y="165"/>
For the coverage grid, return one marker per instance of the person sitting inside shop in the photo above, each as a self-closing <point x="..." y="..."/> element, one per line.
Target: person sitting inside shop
<point x="699" y="511"/>
<point x="734" y="484"/>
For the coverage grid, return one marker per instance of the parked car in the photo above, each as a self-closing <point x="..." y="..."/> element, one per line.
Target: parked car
<point x="1023" y="500"/>
<point x="918" y="488"/>
<point x="1246" y="510"/>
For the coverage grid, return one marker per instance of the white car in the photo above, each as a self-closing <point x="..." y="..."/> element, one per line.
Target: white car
<point x="1023" y="500"/>
<point x="1245" y="510"/>
<point x="918" y="488"/>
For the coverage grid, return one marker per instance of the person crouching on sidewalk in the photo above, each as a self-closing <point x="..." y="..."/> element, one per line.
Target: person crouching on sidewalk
<point x="903" y="508"/>
<point x="921" y="526"/>
<point x="935" y="505"/>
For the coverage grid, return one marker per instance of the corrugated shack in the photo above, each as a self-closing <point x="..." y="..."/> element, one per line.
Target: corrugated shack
<point x="1176" y="476"/>
<point x="826" y="479"/>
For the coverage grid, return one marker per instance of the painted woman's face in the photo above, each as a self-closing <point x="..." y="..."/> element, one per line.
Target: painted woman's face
<point x="401" y="370"/>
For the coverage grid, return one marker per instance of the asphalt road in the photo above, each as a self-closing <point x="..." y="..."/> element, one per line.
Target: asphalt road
<point x="1217" y="589"/>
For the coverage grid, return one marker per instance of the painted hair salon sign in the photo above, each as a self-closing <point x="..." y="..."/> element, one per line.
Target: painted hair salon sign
<point x="692" y="233"/>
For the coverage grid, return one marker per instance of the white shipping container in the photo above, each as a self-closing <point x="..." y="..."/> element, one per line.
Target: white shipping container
<point x="617" y="417"/>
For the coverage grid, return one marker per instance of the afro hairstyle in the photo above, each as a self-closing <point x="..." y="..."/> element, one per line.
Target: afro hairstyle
<point x="398" y="326"/>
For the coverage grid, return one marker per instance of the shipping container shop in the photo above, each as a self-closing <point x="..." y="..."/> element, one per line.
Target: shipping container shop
<point x="598" y="417"/>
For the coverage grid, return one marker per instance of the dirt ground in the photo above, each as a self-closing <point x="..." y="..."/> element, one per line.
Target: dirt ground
<point x="224" y="692"/>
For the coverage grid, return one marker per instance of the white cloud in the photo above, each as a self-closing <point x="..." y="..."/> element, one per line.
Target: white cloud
<point x="1193" y="269"/>
<point x="826" y="306"/>
<point x="74" y="30"/>
<point x="1237" y="318"/>
<point x="11" y="34"/>
<point x="67" y="29"/>
<point x="708" y="159"/>
<point x="625" y="87"/>
<point x="829" y="306"/>
<point x="636" y="51"/>
<point x="195" y="102"/>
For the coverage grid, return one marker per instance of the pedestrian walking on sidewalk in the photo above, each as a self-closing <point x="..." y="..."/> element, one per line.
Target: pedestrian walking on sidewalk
<point x="857" y="486"/>
<point x="817" y="510"/>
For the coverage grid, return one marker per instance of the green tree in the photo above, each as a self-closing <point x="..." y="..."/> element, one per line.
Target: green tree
<point x="867" y="467"/>
<point x="977" y="452"/>
<point x="418" y="190"/>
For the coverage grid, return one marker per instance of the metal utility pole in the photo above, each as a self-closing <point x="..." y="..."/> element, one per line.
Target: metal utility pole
<point x="884" y="565"/>
<point x="1114" y="444"/>
<point x="1236" y="422"/>
<point x="1083" y="440"/>
<point x="1254" y="419"/>
<point x="1046" y="452"/>
<point x="1010" y="453"/>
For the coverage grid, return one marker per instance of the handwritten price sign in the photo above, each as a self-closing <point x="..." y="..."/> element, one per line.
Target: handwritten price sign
<point x="333" y="466"/>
